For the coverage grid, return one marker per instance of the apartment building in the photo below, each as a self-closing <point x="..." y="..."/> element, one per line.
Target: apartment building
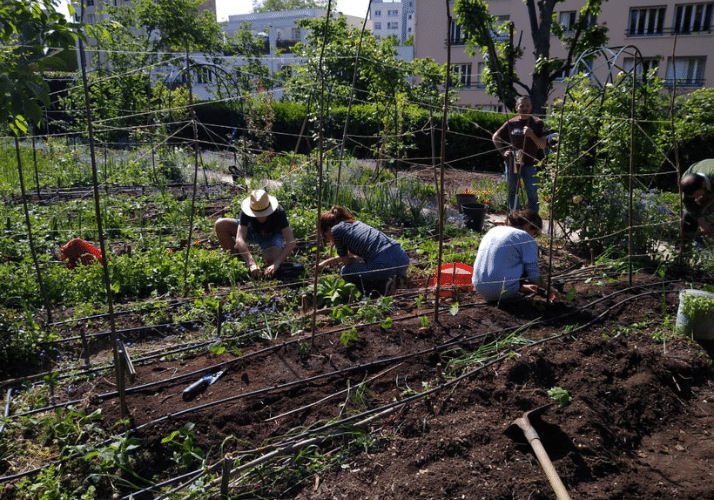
<point x="395" y="19"/>
<point x="673" y="37"/>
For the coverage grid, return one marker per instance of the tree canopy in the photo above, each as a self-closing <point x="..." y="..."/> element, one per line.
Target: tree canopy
<point x="30" y="31"/>
<point x="500" y="53"/>
<point x="275" y="5"/>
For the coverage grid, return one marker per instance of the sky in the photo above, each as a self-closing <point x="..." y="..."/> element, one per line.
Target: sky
<point x="225" y="8"/>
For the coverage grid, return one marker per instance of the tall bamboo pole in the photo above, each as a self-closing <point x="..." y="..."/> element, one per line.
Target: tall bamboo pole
<point x="319" y="170"/>
<point x="41" y="283"/>
<point x="118" y="361"/>
<point x="442" y="162"/>
<point x="195" y="172"/>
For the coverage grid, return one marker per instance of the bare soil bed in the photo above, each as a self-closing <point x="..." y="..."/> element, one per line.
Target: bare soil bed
<point x="640" y="424"/>
<point x="639" y="427"/>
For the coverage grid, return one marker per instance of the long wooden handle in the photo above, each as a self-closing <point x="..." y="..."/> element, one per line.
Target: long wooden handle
<point x="534" y="440"/>
<point x="560" y="492"/>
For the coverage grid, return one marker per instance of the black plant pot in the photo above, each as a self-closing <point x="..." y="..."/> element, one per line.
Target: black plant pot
<point x="474" y="214"/>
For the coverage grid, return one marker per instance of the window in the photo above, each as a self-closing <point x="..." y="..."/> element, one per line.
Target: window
<point x="492" y="108"/>
<point x="394" y="12"/>
<point x="90" y="3"/>
<point x="378" y="26"/>
<point x="286" y="71"/>
<point x="455" y="35"/>
<point x="295" y="34"/>
<point x="480" y="71"/>
<point x="567" y="19"/>
<point x="377" y="13"/>
<point x="693" y="18"/>
<point x="501" y="31"/>
<point x="562" y="75"/>
<point x="392" y="26"/>
<point x="204" y="75"/>
<point x="686" y="71"/>
<point x="643" y="65"/>
<point x="461" y="74"/>
<point x="647" y="21"/>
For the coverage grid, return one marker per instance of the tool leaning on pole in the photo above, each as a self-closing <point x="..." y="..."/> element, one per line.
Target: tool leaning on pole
<point x="515" y="162"/>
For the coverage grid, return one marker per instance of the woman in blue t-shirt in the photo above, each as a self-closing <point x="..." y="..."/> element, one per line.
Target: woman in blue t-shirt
<point x="262" y="221"/>
<point x="366" y="253"/>
<point x="507" y="259"/>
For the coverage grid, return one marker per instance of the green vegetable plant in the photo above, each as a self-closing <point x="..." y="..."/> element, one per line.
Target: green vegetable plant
<point x="333" y="291"/>
<point x="349" y="335"/>
<point x="560" y="395"/>
<point x="695" y="306"/>
<point x="183" y="444"/>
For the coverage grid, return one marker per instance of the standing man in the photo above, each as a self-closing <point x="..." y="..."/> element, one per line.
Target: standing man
<point x="697" y="198"/>
<point x="521" y="141"/>
<point x="263" y="221"/>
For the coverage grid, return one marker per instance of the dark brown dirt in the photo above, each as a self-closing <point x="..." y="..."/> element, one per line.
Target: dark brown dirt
<point x="640" y="424"/>
<point x="639" y="427"/>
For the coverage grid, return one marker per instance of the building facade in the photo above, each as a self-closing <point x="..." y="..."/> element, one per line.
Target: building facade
<point x="395" y="19"/>
<point x="673" y="37"/>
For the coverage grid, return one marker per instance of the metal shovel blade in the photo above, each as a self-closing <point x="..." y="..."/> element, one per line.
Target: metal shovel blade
<point x="524" y="424"/>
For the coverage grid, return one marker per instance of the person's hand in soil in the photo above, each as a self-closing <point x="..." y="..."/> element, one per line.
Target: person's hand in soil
<point x="269" y="271"/>
<point x="255" y="271"/>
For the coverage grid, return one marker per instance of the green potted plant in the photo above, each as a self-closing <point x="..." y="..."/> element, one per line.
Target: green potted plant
<point x="695" y="316"/>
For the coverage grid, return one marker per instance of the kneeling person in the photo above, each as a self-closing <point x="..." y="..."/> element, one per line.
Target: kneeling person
<point x="507" y="259"/>
<point x="263" y="221"/>
<point x="697" y="198"/>
<point x="368" y="255"/>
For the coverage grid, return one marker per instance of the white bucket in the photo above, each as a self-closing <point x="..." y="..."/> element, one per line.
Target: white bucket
<point x="700" y="327"/>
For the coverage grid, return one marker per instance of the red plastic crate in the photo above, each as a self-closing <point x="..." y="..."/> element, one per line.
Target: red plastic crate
<point x="453" y="275"/>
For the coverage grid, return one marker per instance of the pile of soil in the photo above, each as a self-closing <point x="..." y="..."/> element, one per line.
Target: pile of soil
<point x="639" y="425"/>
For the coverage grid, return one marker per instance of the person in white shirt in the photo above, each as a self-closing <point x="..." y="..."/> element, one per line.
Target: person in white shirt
<point x="507" y="259"/>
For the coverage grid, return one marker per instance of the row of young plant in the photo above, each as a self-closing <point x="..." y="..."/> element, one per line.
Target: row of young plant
<point x="147" y="235"/>
<point x="97" y="458"/>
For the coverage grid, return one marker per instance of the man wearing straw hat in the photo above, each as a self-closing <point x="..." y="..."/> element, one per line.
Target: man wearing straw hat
<point x="698" y="198"/>
<point x="262" y="221"/>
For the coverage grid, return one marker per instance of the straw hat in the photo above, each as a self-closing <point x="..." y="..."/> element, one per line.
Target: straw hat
<point x="259" y="204"/>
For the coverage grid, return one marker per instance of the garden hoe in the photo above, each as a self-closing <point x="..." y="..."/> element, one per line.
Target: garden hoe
<point x="531" y="435"/>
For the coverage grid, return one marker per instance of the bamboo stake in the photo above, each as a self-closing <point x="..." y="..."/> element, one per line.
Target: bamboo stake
<point x="119" y="366"/>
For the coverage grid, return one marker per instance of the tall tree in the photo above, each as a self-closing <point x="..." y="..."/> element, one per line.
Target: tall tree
<point x="276" y="5"/>
<point x="132" y="42"/>
<point x="501" y="53"/>
<point x="29" y="32"/>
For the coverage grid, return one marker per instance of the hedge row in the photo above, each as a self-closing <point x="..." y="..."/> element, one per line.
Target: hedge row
<point x="468" y="141"/>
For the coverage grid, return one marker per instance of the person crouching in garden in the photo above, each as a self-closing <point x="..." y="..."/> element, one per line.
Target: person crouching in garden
<point x="507" y="259"/>
<point x="697" y="198"/>
<point x="369" y="257"/>
<point x="263" y="221"/>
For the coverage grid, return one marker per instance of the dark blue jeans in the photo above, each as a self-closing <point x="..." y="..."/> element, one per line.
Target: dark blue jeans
<point x="530" y="184"/>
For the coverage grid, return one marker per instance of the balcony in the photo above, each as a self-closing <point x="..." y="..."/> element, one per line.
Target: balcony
<point x="684" y="82"/>
<point x="664" y="32"/>
<point x="285" y="45"/>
